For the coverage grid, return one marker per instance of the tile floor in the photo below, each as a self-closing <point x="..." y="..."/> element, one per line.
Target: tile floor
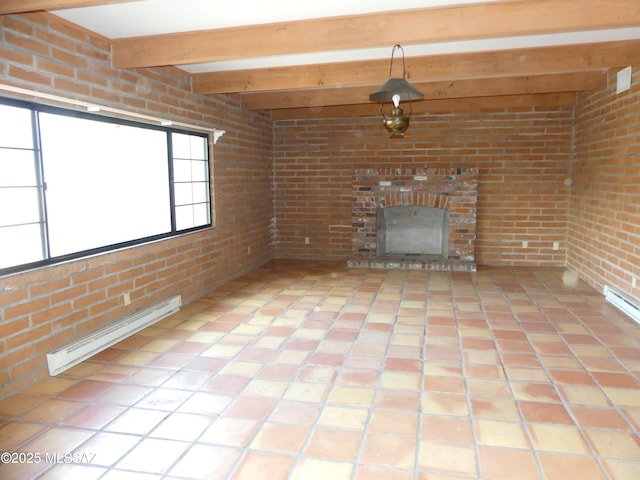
<point x="305" y="370"/>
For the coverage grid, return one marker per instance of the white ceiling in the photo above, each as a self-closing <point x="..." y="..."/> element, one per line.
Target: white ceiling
<point x="154" y="17"/>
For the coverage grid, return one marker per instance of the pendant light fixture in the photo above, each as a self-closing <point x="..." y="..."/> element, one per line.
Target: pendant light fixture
<point x="396" y="90"/>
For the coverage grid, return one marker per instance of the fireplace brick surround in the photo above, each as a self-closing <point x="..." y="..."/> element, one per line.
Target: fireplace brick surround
<point x="452" y="189"/>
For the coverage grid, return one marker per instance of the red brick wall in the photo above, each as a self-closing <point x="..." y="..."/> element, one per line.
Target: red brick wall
<point x="604" y="224"/>
<point x="46" y="308"/>
<point x="523" y="157"/>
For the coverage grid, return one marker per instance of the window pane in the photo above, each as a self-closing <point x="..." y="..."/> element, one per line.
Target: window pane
<point x="183" y="193"/>
<point x="199" y="171"/>
<point x="189" y="216"/>
<point x="191" y="193"/>
<point x="182" y="170"/>
<point x="15" y="127"/>
<point x="106" y="183"/>
<point x="19" y="205"/>
<point x="200" y="214"/>
<point x="189" y="146"/>
<point x="189" y="171"/>
<point x="184" y="217"/>
<point x="198" y="148"/>
<point x="17" y="168"/>
<point x="199" y="192"/>
<point x="20" y="244"/>
<point x="181" y="146"/>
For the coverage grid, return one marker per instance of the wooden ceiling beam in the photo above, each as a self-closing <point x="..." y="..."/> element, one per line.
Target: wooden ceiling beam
<point x="518" y="85"/>
<point x="427" y="25"/>
<point x="525" y="61"/>
<point x="23" y="6"/>
<point x="433" y="106"/>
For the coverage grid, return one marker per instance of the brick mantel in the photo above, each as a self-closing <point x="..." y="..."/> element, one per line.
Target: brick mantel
<point x="452" y="189"/>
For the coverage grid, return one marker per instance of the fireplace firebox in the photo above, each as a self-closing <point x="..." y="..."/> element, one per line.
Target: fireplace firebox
<point x="412" y="230"/>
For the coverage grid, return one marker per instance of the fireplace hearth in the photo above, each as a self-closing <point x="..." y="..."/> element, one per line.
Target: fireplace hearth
<point x="414" y="218"/>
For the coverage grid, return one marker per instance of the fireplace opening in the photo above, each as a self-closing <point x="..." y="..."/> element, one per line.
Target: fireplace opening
<point x="412" y="230"/>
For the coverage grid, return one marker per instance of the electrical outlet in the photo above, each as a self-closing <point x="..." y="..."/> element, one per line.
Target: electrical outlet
<point x="633" y="282"/>
<point x="306" y="240"/>
<point x="127" y="298"/>
<point x="556" y="245"/>
<point x="525" y="244"/>
<point x="248" y="250"/>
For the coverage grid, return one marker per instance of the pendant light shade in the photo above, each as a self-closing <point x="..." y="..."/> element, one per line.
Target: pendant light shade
<point x="395" y="86"/>
<point x="395" y="90"/>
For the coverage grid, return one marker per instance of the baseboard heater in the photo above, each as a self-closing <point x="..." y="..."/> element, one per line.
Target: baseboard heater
<point x="87" y="347"/>
<point x="628" y="305"/>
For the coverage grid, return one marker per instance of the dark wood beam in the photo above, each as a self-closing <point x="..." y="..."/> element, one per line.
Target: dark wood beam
<point x="517" y="85"/>
<point x="525" y="61"/>
<point x="433" y="106"/>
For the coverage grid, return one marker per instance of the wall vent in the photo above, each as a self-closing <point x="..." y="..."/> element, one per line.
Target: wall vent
<point x="87" y="347"/>
<point x="623" y="302"/>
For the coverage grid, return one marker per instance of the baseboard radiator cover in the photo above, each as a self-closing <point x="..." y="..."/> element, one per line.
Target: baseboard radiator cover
<point x="98" y="341"/>
<point x="623" y="302"/>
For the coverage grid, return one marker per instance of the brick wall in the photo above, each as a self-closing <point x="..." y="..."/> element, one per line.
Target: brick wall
<point x="46" y="308"/>
<point x="523" y="159"/>
<point x="604" y="224"/>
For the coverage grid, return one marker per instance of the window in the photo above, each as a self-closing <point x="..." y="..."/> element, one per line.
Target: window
<point x="190" y="181"/>
<point x="73" y="184"/>
<point x="21" y="213"/>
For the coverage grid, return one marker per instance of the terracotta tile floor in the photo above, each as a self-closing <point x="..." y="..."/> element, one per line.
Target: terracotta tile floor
<point x="304" y="370"/>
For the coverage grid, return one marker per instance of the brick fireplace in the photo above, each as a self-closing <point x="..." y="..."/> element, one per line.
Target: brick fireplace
<point x="414" y="218"/>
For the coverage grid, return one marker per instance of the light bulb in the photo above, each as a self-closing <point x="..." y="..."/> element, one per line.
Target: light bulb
<point x="396" y="100"/>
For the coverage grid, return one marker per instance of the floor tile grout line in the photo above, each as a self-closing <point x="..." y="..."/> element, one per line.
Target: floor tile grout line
<point x="549" y="377"/>
<point x="247" y="448"/>
<point x="614" y="405"/>
<point x="148" y="435"/>
<point x="451" y="294"/>
<point x="48" y="427"/>
<point x="421" y="386"/>
<point x="174" y="410"/>
<point x="563" y="402"/>
<point x="589" y="330"/>
<point x="594" y="454"/>
<point x="578" y="357"/>
<point x="534" y="292"/>
<point x="523" y="422"/>
<point x="365" y="427"/>
<point x="330" y="386"/>
<point x="476" y="450"/>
